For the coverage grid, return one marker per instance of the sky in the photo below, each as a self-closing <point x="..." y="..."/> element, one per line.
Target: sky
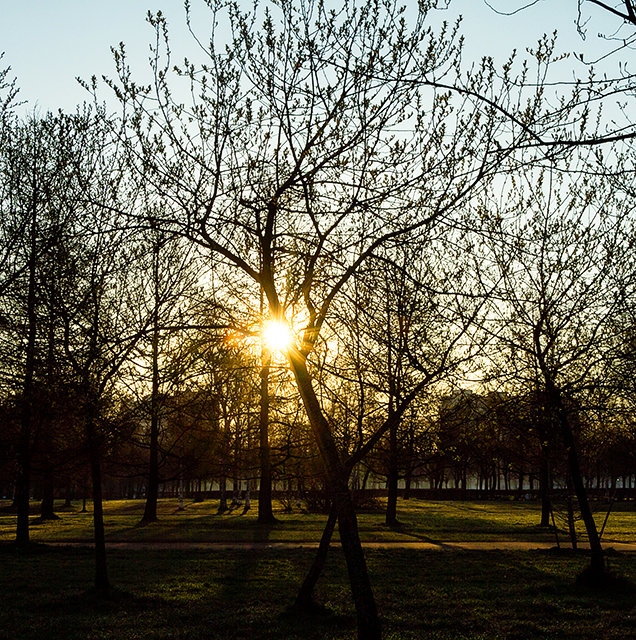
<point x="48" y="43"/>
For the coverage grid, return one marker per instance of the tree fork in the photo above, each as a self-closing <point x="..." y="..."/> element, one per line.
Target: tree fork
<point x="597" y="558"/>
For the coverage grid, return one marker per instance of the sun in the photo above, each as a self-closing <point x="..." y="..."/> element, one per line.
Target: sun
<point x="277" y="335"/>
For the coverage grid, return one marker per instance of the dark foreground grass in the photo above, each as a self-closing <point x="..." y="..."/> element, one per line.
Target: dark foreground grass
<point x="243" y="594"/>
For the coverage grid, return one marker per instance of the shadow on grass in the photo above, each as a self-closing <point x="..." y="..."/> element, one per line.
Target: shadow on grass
<point x="31" y="549"/>
<point x="91" y="601"/>
<point x="245" y="593"/>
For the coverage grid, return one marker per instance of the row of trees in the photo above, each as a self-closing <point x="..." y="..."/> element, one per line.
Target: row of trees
<point x="416" y="225"/>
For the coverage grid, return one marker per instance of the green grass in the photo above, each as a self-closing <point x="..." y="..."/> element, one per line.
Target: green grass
<point x="243" y="594"/>
<point x="420" y="521"/>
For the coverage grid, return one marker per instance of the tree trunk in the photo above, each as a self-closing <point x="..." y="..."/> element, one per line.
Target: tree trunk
<point x="366" y="610"/>
<point x="305" y="597"/>
<point x="597" y="558"/>
<point x="23" y="479"/>
<point x="392" y="479"/>
<point x="248" y="497"/>
<point x="102" y="585"/>
<point x="570" y="517"/>
<point x="222" y="494"/>
<point x="22" y="489"/>
<point x="47" y="507"/>
<point x="68" y="496"/>
<point x="545" y="488"/>
<point x="407" y="484"/>
<point x="265" y="512"/>
<point x="152" y="492"/>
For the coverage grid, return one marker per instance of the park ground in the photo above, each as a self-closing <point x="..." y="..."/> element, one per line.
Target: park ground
<point x="190" y="590"/>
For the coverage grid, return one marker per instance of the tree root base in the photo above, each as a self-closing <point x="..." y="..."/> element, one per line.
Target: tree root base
<point x="606" y="580"/>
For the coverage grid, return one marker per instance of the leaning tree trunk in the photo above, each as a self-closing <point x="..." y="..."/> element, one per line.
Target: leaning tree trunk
<point x="337" y="476"/>
<point x="305" y="597"/>
<point x="597" y="558"/>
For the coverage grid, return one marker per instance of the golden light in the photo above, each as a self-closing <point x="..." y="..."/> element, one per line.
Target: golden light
<point x="277" y="336"/>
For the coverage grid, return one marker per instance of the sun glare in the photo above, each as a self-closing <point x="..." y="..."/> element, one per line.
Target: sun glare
<point x="277" y="336"/>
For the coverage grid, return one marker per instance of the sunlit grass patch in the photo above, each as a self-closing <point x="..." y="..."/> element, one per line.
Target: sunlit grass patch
<point x="420" y="520"/>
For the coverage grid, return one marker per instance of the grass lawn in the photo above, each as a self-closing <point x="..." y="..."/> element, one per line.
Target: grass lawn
<point x="421" y="520"/>
<point x="243" y="594"/>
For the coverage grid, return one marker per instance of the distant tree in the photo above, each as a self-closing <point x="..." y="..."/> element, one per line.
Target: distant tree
<point x="43" y="160"/>
<point x="169" y="278"/>
<point x="414" y="336"/>
<point x="562" y="252"/>
<point x="103" y="317"/>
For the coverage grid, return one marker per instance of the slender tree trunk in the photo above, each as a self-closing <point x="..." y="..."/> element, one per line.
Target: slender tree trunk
<point x="407" y="484"/>
<point x="520" y="484"/>
<point x="47" y="507"/>
<point x="392" y="479"/>
<point x="180" y="489"/>
<point x="152" y="492"/>
<point x="222" y="494"/>
<point x="265" y="512"/>
<point x="23" y="479"/>
<point x="464" y="483"/>
<point x="571" y="527"/>
<point x="248" y="501"/>
<point x="392" y="476"/>
<point x="305" y="597"/>
<point x="22" y="489"/>
<point x="68" y="496"/>
<point x="365" y="478"/>
<point x="597" y="558"/>
<point x="545" y="488"/>
<point x="102" y="584"/>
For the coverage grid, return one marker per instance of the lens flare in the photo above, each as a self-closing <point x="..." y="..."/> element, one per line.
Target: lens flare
<point x="277" y="336"/>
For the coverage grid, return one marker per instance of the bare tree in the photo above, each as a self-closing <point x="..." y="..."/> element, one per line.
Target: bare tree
<point x="313" y="139"/>
<point x="103" y="314"/>
<point x="168" y="279"/>
<point x="561" y="249"/>
<point x="42" y="161"/>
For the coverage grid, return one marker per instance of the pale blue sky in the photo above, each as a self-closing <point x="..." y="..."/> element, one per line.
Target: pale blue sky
<point x="50" y="42"/>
